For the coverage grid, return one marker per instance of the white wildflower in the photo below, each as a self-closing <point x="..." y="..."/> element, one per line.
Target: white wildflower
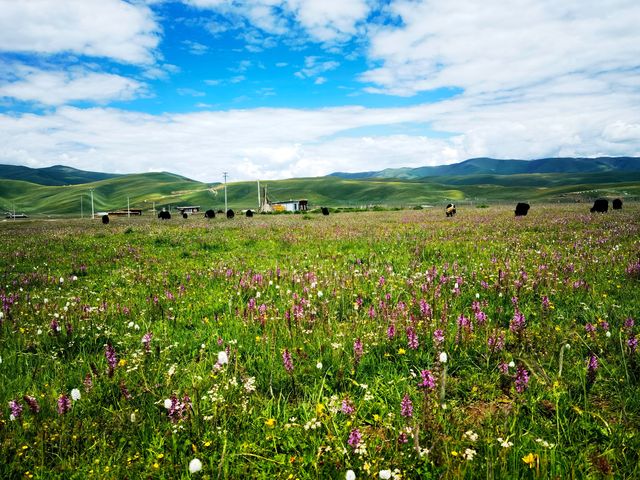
<point x="471" y="435"/>
<point x="223" y="358"/>
<point x="468" y="454"/>
<point x="319" y="365"/>
<point x="167" y="403"/>
<point x="350" y="475"/>
<point x="195" y="465"/>
<point x="443" y="357"/>
<point x="384" y="474"/>
<point x="75" y="394"/>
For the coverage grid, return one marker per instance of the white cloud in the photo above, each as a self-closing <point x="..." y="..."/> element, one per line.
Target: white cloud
<point x="279" y="143"/>
<point x="57" y="88"/>
<point x="494" y="46"/>
<point x="123" y="31"/>
<point x="313" y="67"/>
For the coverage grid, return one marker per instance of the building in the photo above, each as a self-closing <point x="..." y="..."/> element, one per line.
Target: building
<point x="125" y="213"/>
<point x="290" y="206"/>
<point x="189" y="210"/>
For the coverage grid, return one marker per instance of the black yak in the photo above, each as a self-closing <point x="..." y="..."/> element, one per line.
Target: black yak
<point x="601" y="205"/>
<point x="617" y="204"/>
<point x="324" y="210"/>
<point x="450" y="210"/>
<point x="185" y="216"/>
<point x="210" y="214"/>
<point x="164" y="215"/>
<point x="249" y="213"/>
<point x="522" y="209"/>
<point x="105" y="219"/>
<point x="230" y="214"/>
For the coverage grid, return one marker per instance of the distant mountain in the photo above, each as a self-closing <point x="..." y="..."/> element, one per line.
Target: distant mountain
<point x="52" y="176"/>
<point x="492" y="166"/>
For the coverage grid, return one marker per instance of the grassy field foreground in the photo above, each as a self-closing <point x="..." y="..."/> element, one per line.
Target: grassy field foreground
<point x="380" y="344"/>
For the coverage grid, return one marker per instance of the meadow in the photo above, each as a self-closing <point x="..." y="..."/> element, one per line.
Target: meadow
<point x="395" y="344"/>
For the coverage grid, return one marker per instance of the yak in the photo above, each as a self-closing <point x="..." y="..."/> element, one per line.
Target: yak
<point x="617" y="204"/>
<point x="325" y="210"/>
<point x="164" y="215"/>
<point x="522" y="209"/>
<point x="105" y="219"/>
<point x="450" y="210"/>
<point x="249" y="213"/>
<point x="601" y="205"/>
<point x="230" y="214"/>
<point x="210" y="214"/>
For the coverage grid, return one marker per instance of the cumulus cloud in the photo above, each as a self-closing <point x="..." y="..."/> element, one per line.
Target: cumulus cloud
<point x="493" y="46"/>
<point x="279" y="143"/>
<point x="77" y="85"/>
<point x="122" y="31"/>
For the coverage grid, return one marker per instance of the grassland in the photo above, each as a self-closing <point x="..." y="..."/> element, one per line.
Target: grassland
<point x="164" y="190"/>
<point x="397" y="343"/>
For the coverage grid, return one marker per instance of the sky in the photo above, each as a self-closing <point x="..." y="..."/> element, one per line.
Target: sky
<point x="272" y="89"/>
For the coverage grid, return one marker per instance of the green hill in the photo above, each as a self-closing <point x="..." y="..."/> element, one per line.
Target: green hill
<point x="56" y="175"/>
<point x="147" y="190"/>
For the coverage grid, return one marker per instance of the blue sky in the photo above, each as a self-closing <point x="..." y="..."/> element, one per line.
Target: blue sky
<point x="284" y="88"/>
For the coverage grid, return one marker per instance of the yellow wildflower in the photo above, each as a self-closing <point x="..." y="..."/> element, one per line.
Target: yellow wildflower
<point x="270" y="422"/>
<point x="401" y="351"/>
<point x="530" y="459"/>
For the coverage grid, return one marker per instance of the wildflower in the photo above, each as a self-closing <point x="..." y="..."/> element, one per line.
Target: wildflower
<point x="287" y="361"/>
<point x="112" y="361"/>
<point x="357" y="350"/>
<point x="270" y="422"/>
<point x="350" y="475"/>
<point x="471" y="435"/>
<point x="443" y="357"/>
<point x="16" y="409"/>
<point x="428" y="380"/>
<point x="522" y="379"/>
<point x="412" y="338"/>
<point x="468" y="454"/>
<point x="632" y="343"/>
<point x="518" y="322"/>
<point x="402" y="438"/>
<point x="88" y="382"/>
<point x="355" y="437"/>
<point x="384" y="474"/>
<point x="347" y="407"/>
<point x="250" y="384"/>
<point x="530" y="459"/>
<point x="64" y="404"/>
<point x="124" y="390"/>
<point x="406" y="407"/>
<point x="146" y="341"/>
<point x="195" y="465"/>
<point x="438" y="337"/>
<point x="75" y="394"/>
<point x="32" y="403"/>
<point x="319" y="365"/>
<point x="504" y="443"/>
<point x="545" y="302"/>
<point x="223" y="358"/>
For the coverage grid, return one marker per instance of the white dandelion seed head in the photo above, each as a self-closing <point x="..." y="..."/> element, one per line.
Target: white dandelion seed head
<point x="195" y="465"/>
<point x="443" y="357"/>
<point x="223" y="358"/>
<point x="75" y="394"/>
<point x="350" y="475"/>
<point x="167" y="403"/>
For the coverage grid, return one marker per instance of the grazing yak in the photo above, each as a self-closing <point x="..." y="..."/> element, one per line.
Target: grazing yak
<point x="230" y="214"/>
<point x="210" y="214"/>
<point x="450" y="211"/>
<point x="601" y="205"/>
<point x="617" y="204"/>
<point x="105" y="219"/>
<point x="185" y="216"/>
<point x="249" y="213"/>
<point x="164" y="215"/>
<point x="325" y="210"/>
<point x="522" y="209"/>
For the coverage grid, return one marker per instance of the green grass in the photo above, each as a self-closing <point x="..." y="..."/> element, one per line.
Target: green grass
<point x="166" y="190"/>
<point x="314" y="286"/>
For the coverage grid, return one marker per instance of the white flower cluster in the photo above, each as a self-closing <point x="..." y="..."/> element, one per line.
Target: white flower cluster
<point x="312" y="424"/>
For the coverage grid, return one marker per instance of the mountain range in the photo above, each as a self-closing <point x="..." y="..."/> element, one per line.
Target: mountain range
<point x="61" y="190"/>
<point x="492" y="166"/>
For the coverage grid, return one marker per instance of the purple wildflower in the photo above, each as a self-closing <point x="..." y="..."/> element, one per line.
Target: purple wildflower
<point x="428" y="380"/>
<point x="287" y="361"/>
<point x="628" y="323"/>
<point x="592" y="364"/>
<point x="146" y="341"/>
<point x="355" y="437"/>
<point x="406" y="407"/>
<point x="88" y="382"/>
<point x="590" y="329"/>
<point x="545" y="303"/>
<point x="402" y="438"/>
<point x="124" y="391"/>
<point x="347" y="407"/>
<point x="503" y="367"/>
<point x="438" y="337"/>
<point x="357" y="350"/>
<point x="391" y="331"/>
<point x="518" y="323"/>
<point x="32" y="403"/>
<point x="632" y="343"/>
<point x="54" y="326"/>
<point x="496" y="342"/>
<point x="16" y="408"/>
<point x="112" y="361"/>
<point x="522" y="379"/>
<point x="412" y="338"/>
<point x="64" y="404"/>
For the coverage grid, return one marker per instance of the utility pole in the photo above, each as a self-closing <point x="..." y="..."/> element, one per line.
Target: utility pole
<point x="259" y="199"/>
<point x="225" y="192"/>
<point x="81" y="209"/>
<point x="128" y="209"/>
<point x="92" y="212"/>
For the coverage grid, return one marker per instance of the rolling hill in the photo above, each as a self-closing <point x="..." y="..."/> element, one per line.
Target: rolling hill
<point x="149" y="190"/>
<point x="56" y="175"/>
<point x="492" y="166"/>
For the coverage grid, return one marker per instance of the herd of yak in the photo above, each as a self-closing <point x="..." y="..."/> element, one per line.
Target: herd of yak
<point x="601" y="205"/>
